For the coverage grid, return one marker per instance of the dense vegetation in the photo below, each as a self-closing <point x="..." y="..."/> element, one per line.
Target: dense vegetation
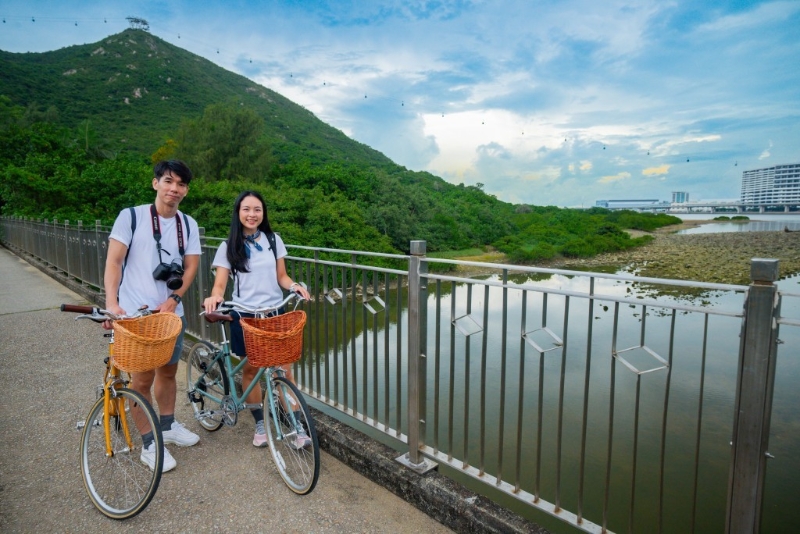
<point x="77" y="143"/>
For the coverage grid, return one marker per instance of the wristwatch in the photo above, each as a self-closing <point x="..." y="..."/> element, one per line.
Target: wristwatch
<point x="175" y="297"/>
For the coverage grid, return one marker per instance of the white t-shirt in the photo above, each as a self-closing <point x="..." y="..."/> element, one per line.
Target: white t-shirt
<point x="259" y="288"/>
<point x="138" y="287"/>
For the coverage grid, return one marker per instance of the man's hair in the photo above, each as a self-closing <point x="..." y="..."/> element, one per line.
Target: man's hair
<point x="176" y="166"/>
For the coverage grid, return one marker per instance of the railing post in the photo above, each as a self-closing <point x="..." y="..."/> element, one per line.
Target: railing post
<point x="100" y="266"/>
<point x="81" y="253"/>
<point x="201" y="271"/>
<point x="753" y="406"/>
<point x="66" y="248"/>
<point x="417" y="365"/>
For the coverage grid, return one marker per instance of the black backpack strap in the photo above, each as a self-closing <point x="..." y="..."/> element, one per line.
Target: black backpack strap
<point x="272" y="245"/>
<point x="133" y="229"/>
<point x="188" y="228"/>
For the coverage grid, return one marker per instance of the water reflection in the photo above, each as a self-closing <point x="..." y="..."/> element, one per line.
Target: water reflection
<point x="514" y="383"/>
<point x="746" y="226"/>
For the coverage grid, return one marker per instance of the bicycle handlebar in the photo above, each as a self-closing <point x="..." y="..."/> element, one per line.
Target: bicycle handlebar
<point x="100" y="315"/>
<point x="229" y="305"/>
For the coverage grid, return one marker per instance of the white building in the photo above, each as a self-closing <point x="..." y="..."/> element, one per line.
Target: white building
<point x="779" y="184"/>
<point x="680" y="197"/>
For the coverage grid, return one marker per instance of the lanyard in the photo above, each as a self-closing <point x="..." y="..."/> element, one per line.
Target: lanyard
<point x="157" y="231"/>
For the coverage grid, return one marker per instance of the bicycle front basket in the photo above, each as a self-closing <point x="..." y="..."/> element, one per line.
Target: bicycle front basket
<point x="274" y="340"/>
<point x="145" y="343"/>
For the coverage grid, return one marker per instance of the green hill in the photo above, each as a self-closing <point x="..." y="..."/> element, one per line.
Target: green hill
<point x="135" y="89"/>
<point x="79" y="127"/>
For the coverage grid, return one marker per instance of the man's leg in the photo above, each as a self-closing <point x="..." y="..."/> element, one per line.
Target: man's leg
<point x="166" y="389"/>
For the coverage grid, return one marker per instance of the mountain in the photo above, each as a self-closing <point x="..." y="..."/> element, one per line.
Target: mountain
<point x="134" y="89"/>
<point x="78" y="128"/>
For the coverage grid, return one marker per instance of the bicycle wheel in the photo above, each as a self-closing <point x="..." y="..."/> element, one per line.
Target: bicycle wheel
<point x="204" y="375"/>
<point x="121" y="485"/>
<point x="292" y="437"/>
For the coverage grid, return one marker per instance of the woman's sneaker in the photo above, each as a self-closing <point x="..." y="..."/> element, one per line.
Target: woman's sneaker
<point x="148" y="458"/>
<point x="180" y="435"/>
<point x="260" y="437"/>
<point x="300" y="441"/>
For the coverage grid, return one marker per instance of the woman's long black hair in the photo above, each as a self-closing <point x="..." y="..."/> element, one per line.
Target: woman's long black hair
<point x="237" y="256"/>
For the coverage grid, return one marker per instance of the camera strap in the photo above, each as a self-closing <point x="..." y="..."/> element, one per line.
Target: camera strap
<point x="157" y="232"/>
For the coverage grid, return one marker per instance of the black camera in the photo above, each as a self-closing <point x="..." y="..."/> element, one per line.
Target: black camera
<point x="171" y="273"/>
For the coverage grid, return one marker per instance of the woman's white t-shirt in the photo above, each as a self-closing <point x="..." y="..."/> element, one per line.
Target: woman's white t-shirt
<point x="258" y="288"/>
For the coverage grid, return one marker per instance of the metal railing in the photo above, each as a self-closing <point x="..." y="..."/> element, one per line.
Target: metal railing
<point x="608" y="401"/>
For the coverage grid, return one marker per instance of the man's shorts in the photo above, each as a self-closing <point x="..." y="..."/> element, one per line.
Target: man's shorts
<point x="176" y="354"/>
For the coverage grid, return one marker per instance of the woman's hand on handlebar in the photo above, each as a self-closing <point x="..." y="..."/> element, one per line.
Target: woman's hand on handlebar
<point x="211" y="303"/>
<point x="300" y="290"/>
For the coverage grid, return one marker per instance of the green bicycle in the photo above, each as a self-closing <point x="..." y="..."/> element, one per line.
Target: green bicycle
<point x="211" y="388"/>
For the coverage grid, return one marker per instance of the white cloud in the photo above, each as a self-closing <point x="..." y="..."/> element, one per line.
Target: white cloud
<point x="615" y="178"/>
<point x="765" y="154"/>
<point x="555" y="103"/>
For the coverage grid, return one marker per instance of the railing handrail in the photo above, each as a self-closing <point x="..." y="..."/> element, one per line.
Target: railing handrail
<point x="760" y="321"/>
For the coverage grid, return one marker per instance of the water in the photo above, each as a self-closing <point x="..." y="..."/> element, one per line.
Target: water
<point x="759" y="222"/>
<point x="537" y="376"/>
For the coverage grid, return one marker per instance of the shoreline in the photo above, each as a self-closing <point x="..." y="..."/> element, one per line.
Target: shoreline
<point x="712" y="257"/>
<point x="704" y="257"/>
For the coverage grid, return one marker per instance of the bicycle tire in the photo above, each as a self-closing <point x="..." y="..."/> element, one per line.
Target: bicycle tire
<point x="205" y="374"/>
<point x="120" y="486"/>
<point x="298" y="466"/>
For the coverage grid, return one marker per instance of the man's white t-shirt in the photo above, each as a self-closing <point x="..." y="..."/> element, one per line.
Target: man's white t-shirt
<point x="138" y="287"/>
<point x="259" y="288"/>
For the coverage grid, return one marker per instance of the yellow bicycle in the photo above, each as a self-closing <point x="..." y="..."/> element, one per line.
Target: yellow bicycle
<point x="116" y="478"/>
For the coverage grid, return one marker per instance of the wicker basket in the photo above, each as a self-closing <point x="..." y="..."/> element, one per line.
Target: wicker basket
<point x="145" y="343"/>
<point x="275" y="340"/>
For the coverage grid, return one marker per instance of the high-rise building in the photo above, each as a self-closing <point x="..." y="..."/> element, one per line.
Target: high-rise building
<point x="779" y="184"/>
<point x="680" y="197"/>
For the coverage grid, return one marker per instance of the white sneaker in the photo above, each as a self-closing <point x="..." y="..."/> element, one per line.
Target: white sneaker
<point x="180" y="435"/>
<point x="148" y="458"/>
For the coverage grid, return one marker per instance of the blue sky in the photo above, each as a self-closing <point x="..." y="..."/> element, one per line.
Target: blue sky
<point x="555" y="102"/>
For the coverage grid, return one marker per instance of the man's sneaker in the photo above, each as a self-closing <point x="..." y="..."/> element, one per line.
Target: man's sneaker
<point x="179" y="435"/>
<point x="148" y="458"/>
<point x="300" y="441"/>
<point x="260" y="437"/>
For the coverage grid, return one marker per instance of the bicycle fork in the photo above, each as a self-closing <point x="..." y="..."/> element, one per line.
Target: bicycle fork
<point x="278" y="408"/>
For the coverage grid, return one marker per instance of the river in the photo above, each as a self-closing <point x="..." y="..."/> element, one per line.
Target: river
<point x="643" y="429"/>
<point x="759" y="222"/>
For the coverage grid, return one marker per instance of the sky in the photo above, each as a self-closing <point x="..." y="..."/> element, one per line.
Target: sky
<point x="546" y="102"/>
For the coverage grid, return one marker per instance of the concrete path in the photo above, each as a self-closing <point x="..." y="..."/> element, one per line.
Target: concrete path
<point x="49" y="367"/>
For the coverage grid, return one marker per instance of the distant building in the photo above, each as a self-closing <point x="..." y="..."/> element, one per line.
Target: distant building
<point x="635" y="203"/>
<point x="779" y="184"/>
<point x="680" y="197"/>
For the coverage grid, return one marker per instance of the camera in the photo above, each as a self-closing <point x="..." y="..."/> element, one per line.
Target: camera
<point x="171" y="273"/>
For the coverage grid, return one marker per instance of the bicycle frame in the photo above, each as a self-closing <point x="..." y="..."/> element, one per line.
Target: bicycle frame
<point x="113" y="405"/>
<point x="225" y="357"/>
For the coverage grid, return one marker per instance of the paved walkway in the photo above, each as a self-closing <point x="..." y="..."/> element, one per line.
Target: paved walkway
<point x="49" y="366"/>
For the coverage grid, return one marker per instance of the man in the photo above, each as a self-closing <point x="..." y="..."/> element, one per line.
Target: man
<point x="151" y="249"/>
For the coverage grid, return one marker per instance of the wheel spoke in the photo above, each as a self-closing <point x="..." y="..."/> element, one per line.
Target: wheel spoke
<point x="205" y="378"/>
<point x="292" y="437"/>
<point x="120" y="485"/>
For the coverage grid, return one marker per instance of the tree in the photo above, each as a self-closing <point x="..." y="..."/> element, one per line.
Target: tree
<point x="226" y="143"/>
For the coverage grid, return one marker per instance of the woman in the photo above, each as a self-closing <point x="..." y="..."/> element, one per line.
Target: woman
<point x="259" y="278"/>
